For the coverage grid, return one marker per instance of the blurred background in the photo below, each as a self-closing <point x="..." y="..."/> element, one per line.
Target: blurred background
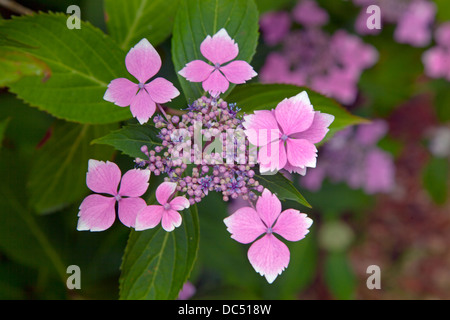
<point x="379" y="192"/>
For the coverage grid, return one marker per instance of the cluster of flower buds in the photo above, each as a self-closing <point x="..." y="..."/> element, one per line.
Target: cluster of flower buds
<point x="204" y="150"/>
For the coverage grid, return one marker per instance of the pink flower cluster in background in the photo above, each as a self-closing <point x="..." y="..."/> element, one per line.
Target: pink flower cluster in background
<point x="352" y="156"/>
<point x="329" y="64"/>
<point x="413" y="19"/>
<point x="437" y="59"/>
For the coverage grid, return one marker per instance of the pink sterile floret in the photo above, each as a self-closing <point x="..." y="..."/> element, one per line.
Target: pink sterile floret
<point x="268" y="255"/>
<point x="166" y="212"/>
<point x="215" y="79"/>
<point x="97" y="212"/>
<point x="287" y="134"/>
<point x="143" y="62"/>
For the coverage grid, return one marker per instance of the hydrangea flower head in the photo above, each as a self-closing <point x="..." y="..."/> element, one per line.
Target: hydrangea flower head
<point x="268" y="255"/>
<point x="166" y="212"/>
<point x="292" y="130"/>
<point x="97" y="212"/>
<point x="352" y="156"/>
<point x="143" y="62"/>
<point x="218" y="49"/>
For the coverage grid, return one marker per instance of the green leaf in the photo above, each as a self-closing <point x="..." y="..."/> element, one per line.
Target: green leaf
<point x="58" y="175"/>
<point x="3" y="125"/>
<point x="251" y="97"/>
<point x="436" y="179"/>
<point x="82" y="62"/>
<point x="441" y="101"/>
<point x="282" y="187"/>
<point x="130" y="21"/>
<point x="130" y="139"/>
<point x="22" y="236"/>
<point x="197" y="19"/>
<point x="393" y="79"/>
<point x="157" y="263"/>
<point x="16" y="65"/>
<point x="339" y="276"/>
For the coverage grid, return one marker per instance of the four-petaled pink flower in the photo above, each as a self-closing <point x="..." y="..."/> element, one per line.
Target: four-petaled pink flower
<point x="166" y="212"/>
<point x="218" y="49"/>
<point x="287" y="134"/>
<point x="97" y="212"/>
<point x="268" y="255"/>
<point x="143" y="62"/>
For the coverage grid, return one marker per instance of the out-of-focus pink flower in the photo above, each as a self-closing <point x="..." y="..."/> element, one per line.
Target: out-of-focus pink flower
<point x="215" y="79"/>
<point x="97" y="212"/>
<point x="437" y="59"/>
<point x="309" y="14"/>
<point x="143" y="62"/>
<point x="287" y="134"/>
<point x="268" y="255"/>
<point x="166" y="213"/>
<point x="414" y="27"/>
<point x="187" y="291"/>
<point x="352" y="156"/>
<point x="275" y="26"/>
<point x="331" y="65"/>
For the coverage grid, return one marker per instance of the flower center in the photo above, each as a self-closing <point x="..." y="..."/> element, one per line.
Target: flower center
<point x="117" y="197"/>
<point x="284" y="137"/>
<point x="141" y="85"/>
<point x="269" y="230"/>
<point x="166" y="206"/>
<point x="216" y="66"/>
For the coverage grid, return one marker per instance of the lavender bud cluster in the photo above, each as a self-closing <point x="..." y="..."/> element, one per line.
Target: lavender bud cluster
<point x="204" y="150"/>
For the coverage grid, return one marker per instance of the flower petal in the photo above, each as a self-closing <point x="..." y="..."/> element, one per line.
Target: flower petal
<point x="196" y="71"/>
<point x="318" y="129"/>
<point x="121" y="91"/>
<point x="245" y="225"/>
<point x="292" y="225"/>
<point x="268" y="207"/>
<point x="216" y="83"/>
<point x="179" y="203"/>
<point x="269" y="257"/>
<point x="129" y="209"/>
<point x="260" y="127"/>
<point x="134" y="183"/>
<point x="171" y="219"/>
<point x="142" y="107"/>
<point x="295" y="114"/>
<point x="149" y="217"/>
<point x="97" y="213"/>
<point x="161" y="90"/>
<point x="143" y="61"/>
<point x="238" y="71"/>
<point x="272" y="157"/>
<point x="103" y="177"/>
<point x="164" y="191"/>
<point x="301" y="153"/>
<point x="219" y="48"/>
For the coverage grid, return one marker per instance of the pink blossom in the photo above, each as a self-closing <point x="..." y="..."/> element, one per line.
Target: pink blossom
<point x="309" y="14"/>
<point x="287" y="134"/>
<point x="437" y="59"/>
<point x="215" y="79"/>
<point x="166" y="213"/>
<point x="143" y="62"/>
<point x="97" y="212"/>
<point x="352" y="156"/>
<point x="268" y="255"/>
<point x="414" y="27"/>
<point x="275" y="26"/>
